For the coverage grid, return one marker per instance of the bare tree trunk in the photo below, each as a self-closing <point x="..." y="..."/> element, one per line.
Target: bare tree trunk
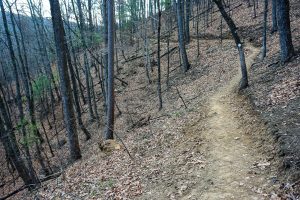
<point x="274" y="17"/>
<point x="187" y="21"/>
<point x="198" y="36"/>
<point x="186" y="64"/>
<point x="158" y="57"/>
<point x="254" y="8"/>
<point x="105" y="57"/>
<point x="284" y="28"/>
<point x="85" y="60"/>
<point x="76" y="98"/>
<point x="264" y="45"/>
<point x="110" y="78"/>
<point x="62" y="63"/>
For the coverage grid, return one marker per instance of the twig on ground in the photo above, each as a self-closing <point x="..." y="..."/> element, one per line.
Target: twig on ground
<point x="181" y="98"/>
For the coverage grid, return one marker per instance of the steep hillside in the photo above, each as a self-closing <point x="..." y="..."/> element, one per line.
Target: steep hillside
<point x="210" y="140"/>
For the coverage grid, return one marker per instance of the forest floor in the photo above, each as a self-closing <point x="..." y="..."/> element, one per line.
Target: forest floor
<point x="212" y="143"/>
<point x="214" y="148"/>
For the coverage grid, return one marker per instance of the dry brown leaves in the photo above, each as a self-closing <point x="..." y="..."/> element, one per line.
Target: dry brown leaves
<point x="284" y="92"/>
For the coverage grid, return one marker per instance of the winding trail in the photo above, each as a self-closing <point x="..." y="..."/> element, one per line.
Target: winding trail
<point x="231" y="152"/>
<point x="222" y="153"/>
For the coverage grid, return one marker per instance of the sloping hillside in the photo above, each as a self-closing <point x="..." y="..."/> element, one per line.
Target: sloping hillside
<point x="210" y="140"/>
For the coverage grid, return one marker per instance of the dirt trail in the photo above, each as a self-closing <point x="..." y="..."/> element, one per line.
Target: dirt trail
<point x="220" y="153"/>
<point x="231" y="152"/>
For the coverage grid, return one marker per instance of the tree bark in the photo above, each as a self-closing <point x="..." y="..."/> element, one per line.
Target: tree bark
<point x="284" y="28"/>
<point x="110" y="78"/>
<point x="62" y="64"/>
<point x="158" y="57"/>
<point x="187" y="21"/>
<point x="186" y="64"/>
<point x="274" y="17"/>
<point x="264" y="44"/>
<point x="18" y="89"/>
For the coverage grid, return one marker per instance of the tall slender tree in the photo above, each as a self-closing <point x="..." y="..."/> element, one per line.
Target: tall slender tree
<point x="264" y="45"/>
<point x="110" y="69"/>
<point x="158" y="57"/>
<point x="62" y="64"/>
<point x="82" y="29"/>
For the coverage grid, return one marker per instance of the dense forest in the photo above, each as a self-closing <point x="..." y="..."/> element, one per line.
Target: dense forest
<point x="150" y="99"/>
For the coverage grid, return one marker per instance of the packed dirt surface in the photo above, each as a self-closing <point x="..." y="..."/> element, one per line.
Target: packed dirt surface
<point x="232" y="153"/>
<point x="231" y="163"/>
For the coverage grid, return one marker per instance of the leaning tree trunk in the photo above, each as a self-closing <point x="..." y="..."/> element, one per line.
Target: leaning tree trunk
<point x="11" y="148"/>
<point x="236" y="37"/>
<point x="284" y="27"/>
<point x="62" y="64"/>
<point x="18" y="88"/>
